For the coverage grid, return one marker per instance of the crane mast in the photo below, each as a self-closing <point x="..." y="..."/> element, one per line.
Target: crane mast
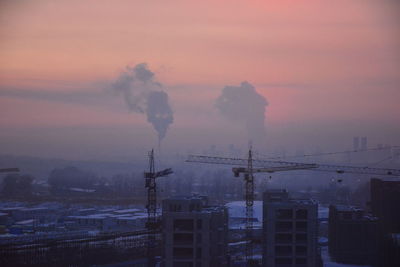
<point x="249" y="180"/>
<point x="151" y="192"/>
<point x="152" y="223"/>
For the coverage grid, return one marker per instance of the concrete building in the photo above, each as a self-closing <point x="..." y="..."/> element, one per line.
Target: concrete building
<point x="353" y="235"/>
<point x="385" y="202"/>
<point x="390" y="251"/>
<point x="290" y="231"/>
<point x="194" y="234"/>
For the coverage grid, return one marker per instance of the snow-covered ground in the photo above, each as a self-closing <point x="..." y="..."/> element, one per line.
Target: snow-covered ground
<point x="237" y="209"/>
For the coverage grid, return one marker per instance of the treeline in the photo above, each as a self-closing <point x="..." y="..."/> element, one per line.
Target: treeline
<point x="70" y="181"/>
<point x="17" y="185"/>
<point x="218" y="184"/>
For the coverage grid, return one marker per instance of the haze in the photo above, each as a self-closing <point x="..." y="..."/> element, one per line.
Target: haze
<point x="329" y="70"/>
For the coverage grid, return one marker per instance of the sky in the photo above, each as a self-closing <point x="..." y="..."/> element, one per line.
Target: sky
<point x="328" y="70"/>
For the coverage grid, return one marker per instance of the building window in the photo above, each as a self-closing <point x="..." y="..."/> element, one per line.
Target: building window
<point x="283" y="238"/>
<point x="198" y="253"/>
<point x="180" y="238"/>
<point x="301" y="238"/>
<point x="301" y="250"/>
<point x="301" y="214"/>
<point x="283" y="261"/>
<point x="301" y="261"/>
<point x="283" y="250"/>
<point x="183" y="253"/>
<point x="183" y="225"/>
<point x="301" y="226"/>
<point x="285" y="214"/>
<point x="183" y="264"/>
<point x="199" y="224"/>
<point x="198" y="238"/>
<point x="284" y="226"/>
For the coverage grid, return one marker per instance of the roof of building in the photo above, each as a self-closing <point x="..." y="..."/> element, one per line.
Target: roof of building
<point x="26" y="222"/>
<point x="304" y="202"/>
<point x="184" y="198"/>
<point x="126" y="211"/>
<point x="347" y="208"/>
<point x="101" y="216"/>
<point x="388" y="179"/>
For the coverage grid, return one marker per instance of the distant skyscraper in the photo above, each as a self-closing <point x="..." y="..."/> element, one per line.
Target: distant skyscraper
<point x="194" y="234"/>
<point x="356" y="143"/>
<point x="364" y="143"/>
<point x="290" y="230"/>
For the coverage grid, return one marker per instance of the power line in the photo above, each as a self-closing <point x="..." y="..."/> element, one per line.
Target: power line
<point x="331" y="153"/>
<point x="385" y="159"/>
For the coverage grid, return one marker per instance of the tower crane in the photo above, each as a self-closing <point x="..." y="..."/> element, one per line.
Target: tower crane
<point x="251" y="166"/>
<point x="152" y="223"/>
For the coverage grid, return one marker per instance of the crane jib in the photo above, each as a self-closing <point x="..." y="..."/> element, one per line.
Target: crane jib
<point x="274" y="166"/>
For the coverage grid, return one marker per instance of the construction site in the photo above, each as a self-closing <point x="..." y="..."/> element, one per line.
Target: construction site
<point x="185" y="230"/>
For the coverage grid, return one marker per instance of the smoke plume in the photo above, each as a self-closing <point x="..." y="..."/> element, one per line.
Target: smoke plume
<point x="244" y="105"/>
<point x="143" y="94"/>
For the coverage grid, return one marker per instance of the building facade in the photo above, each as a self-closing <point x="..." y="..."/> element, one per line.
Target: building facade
<point x="353" y="235"/>
<point x="194" y="234"/>
<point x="385" y="202"/>
<point x="290" y="231"/>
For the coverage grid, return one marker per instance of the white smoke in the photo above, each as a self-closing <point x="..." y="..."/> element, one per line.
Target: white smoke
<point x="242" y="104"/>
<point x="143" y="94"/>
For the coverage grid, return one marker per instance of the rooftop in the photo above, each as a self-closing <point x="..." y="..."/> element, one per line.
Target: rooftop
<point x="347" y="208"/>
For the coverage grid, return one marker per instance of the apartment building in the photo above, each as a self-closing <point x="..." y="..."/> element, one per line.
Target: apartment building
<point x="194" y="233"/>
<point x="290" y="230"/>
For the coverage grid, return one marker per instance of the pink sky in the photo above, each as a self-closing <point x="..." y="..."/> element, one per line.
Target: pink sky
<point x="318" y="63"/>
